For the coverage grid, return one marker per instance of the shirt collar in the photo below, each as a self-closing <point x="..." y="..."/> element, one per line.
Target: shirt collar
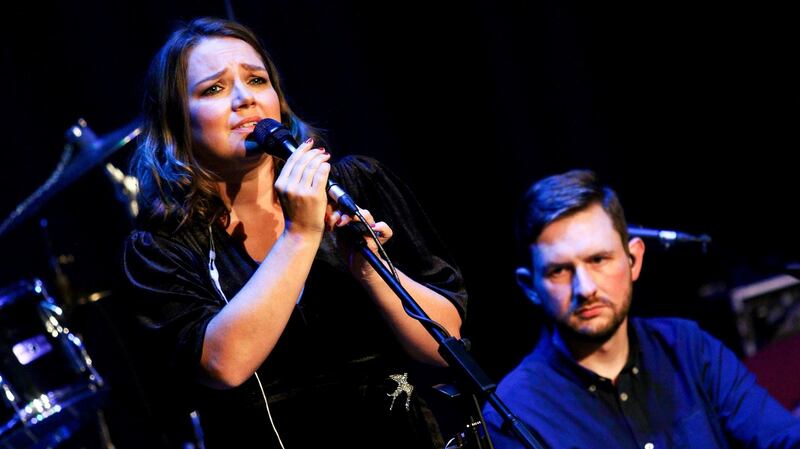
<point x="563" y="362"/>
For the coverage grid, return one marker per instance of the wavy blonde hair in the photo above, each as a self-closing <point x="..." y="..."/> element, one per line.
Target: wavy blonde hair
<point x="173" y="184"/>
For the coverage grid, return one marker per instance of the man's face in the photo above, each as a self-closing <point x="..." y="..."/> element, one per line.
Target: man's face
<point x="582" y="275"/>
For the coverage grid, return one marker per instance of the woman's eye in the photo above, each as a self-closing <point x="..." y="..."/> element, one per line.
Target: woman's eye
<point x="212" y="90"/>
<point x="258" y="80"/>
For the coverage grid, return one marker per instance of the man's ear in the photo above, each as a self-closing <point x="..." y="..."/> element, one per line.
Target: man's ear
<point x="636" y="254"/>
<point x="525" y="281"/>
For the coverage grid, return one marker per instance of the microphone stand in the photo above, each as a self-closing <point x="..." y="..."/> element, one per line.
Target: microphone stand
<point x="450" y="348"/>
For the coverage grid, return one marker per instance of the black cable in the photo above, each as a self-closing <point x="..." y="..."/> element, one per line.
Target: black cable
<point x="482" y="421"/>
<point x="382" y="253"/>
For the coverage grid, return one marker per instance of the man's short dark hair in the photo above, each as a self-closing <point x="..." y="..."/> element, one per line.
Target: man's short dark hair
<point x="564" y="194"/>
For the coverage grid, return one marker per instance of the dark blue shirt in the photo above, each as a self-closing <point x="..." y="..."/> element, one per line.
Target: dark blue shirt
<point x="681" y="388"/>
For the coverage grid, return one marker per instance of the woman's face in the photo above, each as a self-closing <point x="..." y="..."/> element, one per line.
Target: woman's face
<point x="229" y="92"/>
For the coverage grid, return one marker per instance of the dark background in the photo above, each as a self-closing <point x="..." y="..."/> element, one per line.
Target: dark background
<point x="688" y="109"/>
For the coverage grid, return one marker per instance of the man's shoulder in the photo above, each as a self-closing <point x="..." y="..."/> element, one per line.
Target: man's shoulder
<point x="666" y="325"/>
<point x="532" y="373"/>
<point x="670" y="332"/>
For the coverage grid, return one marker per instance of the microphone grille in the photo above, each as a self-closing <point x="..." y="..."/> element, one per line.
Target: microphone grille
<point x="272" y="132"/>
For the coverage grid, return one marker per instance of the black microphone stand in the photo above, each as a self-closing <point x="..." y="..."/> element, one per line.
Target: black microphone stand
<point x="450" y="348"/>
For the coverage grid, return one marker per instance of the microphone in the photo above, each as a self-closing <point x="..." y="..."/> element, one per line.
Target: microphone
<point x="667" y="237"/>
<point x="271" y="137"/>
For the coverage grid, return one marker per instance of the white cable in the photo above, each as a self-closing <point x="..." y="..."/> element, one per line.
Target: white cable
<point x="212" y="271"/>
<point x="269" y="414"/>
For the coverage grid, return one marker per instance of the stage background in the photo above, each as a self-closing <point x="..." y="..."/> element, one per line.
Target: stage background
<point x="689" y="110"/>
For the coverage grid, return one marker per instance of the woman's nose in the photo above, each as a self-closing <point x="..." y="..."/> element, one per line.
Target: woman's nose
<point x="242" y="96"/>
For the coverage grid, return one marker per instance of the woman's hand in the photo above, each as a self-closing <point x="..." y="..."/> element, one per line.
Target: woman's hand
<point x="360" y="268"/>
<point x="301" y="189"/>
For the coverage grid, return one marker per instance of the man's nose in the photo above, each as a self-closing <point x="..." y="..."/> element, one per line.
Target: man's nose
<point x="583" y="285"/>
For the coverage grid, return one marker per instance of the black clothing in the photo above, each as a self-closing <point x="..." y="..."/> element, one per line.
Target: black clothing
<point x="326" y="379"/>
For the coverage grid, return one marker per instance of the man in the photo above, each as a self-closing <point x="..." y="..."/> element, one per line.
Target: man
<point x="600" y="380"/>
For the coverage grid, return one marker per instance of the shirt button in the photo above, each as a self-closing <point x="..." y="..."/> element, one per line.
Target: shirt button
<point x="592" y="388"/>
<point x="624" y="397"/>
<point x="636" y="371"/>
<point x="649" y="446"/>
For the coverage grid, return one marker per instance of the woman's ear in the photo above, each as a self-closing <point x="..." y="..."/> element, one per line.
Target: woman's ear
<point x="525" y="281"/>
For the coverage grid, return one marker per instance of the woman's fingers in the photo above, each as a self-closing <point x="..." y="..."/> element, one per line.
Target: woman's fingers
<point x="302" y="165"/>
<point x="367" y="216"/>
<point x="383" y="230"/>
<point x="332" y="218"/>
<point x="344" y="219"/>
<point x="316" y="172"/>
<point x="301" y="187"/>
<point x="290" y="164"/>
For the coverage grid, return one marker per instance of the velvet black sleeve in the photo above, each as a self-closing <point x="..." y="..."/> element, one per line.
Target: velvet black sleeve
<point x="172" y="297"/>
<point x="415" y="248"/>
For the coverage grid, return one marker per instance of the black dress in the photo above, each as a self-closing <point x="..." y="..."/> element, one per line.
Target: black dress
<point x="326" y="381"/>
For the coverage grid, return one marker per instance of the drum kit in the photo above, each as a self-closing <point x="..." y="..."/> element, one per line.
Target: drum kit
<point x="50" y="387"/>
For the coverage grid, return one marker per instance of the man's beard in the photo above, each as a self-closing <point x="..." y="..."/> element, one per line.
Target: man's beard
<point x="569" y="333"/>
<point x="601" y="336"/>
